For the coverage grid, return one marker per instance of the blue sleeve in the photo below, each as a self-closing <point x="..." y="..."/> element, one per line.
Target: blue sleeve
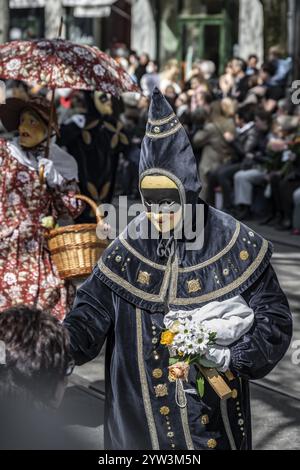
<point x="258" y="352"/>
<point x="90" y="320"/>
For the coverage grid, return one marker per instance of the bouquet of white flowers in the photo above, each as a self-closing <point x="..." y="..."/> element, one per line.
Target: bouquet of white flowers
<point x="188" y="342"/>
<point x="202" y="337"/>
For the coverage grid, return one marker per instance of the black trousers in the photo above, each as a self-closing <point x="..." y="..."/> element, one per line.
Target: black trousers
<point x="282" y="194"/>
<point x="223" y="177"/>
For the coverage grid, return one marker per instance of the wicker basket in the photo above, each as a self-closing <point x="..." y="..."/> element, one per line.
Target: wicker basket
<point x="75" y="249"/>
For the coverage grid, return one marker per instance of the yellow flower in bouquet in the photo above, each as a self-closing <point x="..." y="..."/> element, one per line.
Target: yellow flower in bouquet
<point x="167" y="337"/>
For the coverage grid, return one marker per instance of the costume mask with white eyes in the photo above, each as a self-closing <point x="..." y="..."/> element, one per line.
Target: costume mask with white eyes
<point x="162" y="202"/>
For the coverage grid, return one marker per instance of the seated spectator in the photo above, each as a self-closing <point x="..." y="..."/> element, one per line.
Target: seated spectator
<point x="169" y="76"/>
<point x="283" y="66"/>
<point x="182" y="104"/>
<point x="284" y="176"/>
<point x="215" y="150"/>
<point x="226" y="81"/>
<point x="253" y="167"/>
<point x="241" y="86"/>
<point x="35" y="364"/>
<point x="142" y="66"/>
<point x="296" y="215"/>
<point x="199" y="87"/>
<point x="208" y="70"/>
<point x="252" y="65"/>
<point x="171" y="95"/>
<point x="241" y="144"/>
<point x="269" y="93"/>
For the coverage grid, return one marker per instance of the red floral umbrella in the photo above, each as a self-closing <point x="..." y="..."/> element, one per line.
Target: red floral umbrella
<point x="58" y="63"/>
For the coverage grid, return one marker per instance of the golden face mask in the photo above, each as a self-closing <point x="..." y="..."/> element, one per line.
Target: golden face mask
<point x="32" y="129"/>
<point x="162" y="201"/>
<point x="103" y="103"/>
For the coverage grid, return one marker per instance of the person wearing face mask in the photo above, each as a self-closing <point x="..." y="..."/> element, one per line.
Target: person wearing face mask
<point x="95" y="137"/>
<point x="30" y="205"/>
<point x="178" y="256"/>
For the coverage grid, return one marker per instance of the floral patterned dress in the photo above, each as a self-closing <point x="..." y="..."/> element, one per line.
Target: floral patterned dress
<point x="27" y="274"/>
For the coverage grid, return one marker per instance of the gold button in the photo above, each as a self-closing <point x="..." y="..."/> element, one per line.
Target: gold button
<point x="144" y="278"/>
<point x="211" y="443"/>
<point x="157" y="373"/>
<point x="204" y="419"/>
<point x="244" y="255"/>
<point x="234" y="393"/>
<point x="161" y="390"/>
<point x="164" y="410"/>
<point x="156" y="130"/>
<point x="193" y="285"/>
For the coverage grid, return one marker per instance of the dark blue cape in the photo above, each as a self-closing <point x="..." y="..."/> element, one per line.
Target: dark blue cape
<point x="232" y="257"/>
<point x="124" y="302"/>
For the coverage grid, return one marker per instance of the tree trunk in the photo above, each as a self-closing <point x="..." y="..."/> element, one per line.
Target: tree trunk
<point x="53" y="13"/>
<point x="275" y="13"/>
<point x="4" y="20"/>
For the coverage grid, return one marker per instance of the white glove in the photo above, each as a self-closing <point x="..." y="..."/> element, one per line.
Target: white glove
<point x="217" y="357"/>
<point x="230" y="319"/>
<point x="52" y="176"/>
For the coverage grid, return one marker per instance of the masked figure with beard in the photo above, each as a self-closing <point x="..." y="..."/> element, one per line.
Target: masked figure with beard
<point x="142" y="280"/>
<point x="95" y="139"/>
<point x="30" y="206"/>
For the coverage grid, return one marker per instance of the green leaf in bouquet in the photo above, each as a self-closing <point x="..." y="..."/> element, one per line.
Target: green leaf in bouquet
<point x="173" y="360"/>
<point x="200" y="386"/>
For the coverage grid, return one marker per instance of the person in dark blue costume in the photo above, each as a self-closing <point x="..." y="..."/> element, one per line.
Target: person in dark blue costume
<point x="137" y="281"/>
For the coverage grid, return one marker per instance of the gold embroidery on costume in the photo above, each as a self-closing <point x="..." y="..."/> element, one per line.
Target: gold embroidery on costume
<point x="174" y="281"/>
<point x="204" y="419"/>
<point x="157" y="373"/>
<point x="164" y="410"/>
<point x="218" y="255"/>
<point x="244" y="255"/>
<point x="166" y="133"/>
<point x="211" y="443"/>
<point x="144" y="278"/>
<point x="159" y="122"/>
<point x="124" y="242"/>
<point x="193" y="286"/>
<point x="161" y="390"/>
<point x="144" y="382"/>
<point x="230" y="287"/>
<point x="134" y="290"/>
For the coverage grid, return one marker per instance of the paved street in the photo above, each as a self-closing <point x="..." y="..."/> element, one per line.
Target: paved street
<point x="276" y="416"/>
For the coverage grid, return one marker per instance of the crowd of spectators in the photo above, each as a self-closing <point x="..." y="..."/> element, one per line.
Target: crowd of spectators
<point x="243" y="125"/>
<point x="244" y="128"/>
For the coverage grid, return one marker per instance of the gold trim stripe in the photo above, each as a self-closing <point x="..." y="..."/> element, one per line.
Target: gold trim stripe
<point x="138" y="255"/>
<point x="144" y="382"/>
<point x="165" y="120"/>
<point x="135" y="290"/>
<point x="225" y="290"/>
<point x="161" y="135"/>
<point x="218" y="255"/>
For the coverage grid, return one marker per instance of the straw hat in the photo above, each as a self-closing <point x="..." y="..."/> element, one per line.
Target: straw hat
<point x="10" y="112"/>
